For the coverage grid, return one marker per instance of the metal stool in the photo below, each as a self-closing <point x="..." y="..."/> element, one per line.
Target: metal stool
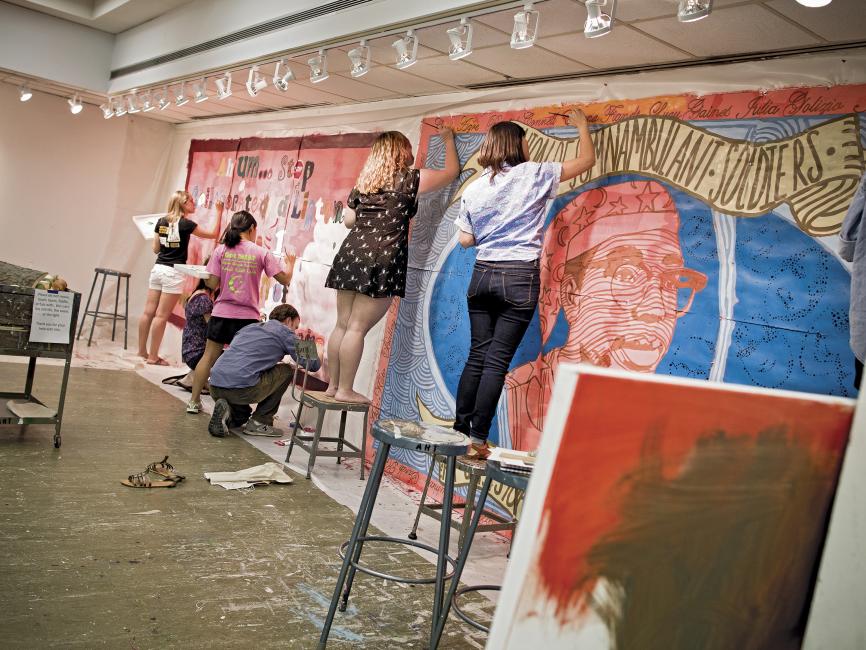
<point x="494" y="473"/>
<point x="475" y="470"/>
<point x="306" y="351"/>
<point x="415" y="436"/>
<point x="114" y="316"/>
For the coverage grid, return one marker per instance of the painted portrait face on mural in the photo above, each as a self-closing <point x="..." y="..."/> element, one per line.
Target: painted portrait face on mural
<point x="612" y="263"/>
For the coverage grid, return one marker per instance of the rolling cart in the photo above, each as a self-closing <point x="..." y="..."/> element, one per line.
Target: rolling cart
<point x="16" y="309"/>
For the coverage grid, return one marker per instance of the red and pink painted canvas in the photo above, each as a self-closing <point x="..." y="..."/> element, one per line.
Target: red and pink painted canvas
<point x="693" y="518"/>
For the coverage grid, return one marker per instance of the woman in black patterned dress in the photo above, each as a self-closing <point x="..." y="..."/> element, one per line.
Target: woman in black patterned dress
<point x="370" y="267"/>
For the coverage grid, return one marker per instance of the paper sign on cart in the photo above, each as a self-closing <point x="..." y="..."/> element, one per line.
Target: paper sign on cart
<point x="52" y="317"/>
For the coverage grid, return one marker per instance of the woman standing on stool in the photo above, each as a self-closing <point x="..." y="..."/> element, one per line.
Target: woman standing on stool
<point x="502" y="214"/>
<point x="171" y="244"/>
<point x="235" y="269"/>
<point x="370" y="267"/>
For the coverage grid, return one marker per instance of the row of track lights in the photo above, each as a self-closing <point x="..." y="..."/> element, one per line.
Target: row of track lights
<point x="599" y="22"/>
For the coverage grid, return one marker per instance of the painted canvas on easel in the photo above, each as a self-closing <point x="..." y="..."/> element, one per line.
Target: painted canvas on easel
<point x="693" y="518"/>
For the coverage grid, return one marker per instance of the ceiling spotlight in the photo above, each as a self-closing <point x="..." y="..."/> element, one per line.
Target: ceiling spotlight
<point x="24" y="93"/>
<point x="147" y="102"/>
<point x="163" y="102"/>
<point x="281" y="81"/>
<point x="107" y="110"/>
<point x="525" y="27"/>
<point x="461" y="40"/>
<point x="692" y="10"/>
<point x="131" y="104"/>
<point x="119" y="107"/>
<point x="199" y="90"/>
<point x="255" y="81"/>
<point x="75" y="105"/>
<point x="360" y="58"/>
<point x="598" y="23"/>
<point x="814" y="3"/>
<point x="223" y="85"/>
<point x="407" y="50"/>
<point x="318" y="67"/>
<point x="180" y="97"/>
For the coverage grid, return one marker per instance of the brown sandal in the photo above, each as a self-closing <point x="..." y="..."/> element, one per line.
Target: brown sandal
<point x="165" y="469"/>
<point x="142" y="480"/>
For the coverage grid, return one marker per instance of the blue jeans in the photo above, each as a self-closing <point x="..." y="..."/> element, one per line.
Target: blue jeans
<point x="502" y="297"/>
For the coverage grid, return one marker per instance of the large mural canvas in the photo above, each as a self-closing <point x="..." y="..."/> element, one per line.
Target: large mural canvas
<point x="700" y="245"/>
<point x="296" y="189"/>
<point x="702" y="514"/>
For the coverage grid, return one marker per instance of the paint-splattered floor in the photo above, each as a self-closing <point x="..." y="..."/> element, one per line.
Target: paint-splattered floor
<point x="86" y="562"/>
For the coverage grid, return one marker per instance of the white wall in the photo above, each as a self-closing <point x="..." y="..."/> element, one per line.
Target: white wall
<point x="39" y="45"/>
<point x="69" y="185"/>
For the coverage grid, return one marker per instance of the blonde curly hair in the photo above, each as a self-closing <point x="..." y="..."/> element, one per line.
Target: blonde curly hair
<point x="390" y="155"/>
<point x="175" y="205"/>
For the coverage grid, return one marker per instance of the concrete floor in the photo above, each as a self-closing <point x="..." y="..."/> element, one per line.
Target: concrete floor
<point x="86" y="562"/>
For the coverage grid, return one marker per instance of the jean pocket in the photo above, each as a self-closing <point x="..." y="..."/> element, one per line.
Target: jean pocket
<point x="475" y="283"/>
<point x="520" y="289"/>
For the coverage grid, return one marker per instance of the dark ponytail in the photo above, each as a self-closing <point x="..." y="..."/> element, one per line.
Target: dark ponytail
<point x="241" y="222"/>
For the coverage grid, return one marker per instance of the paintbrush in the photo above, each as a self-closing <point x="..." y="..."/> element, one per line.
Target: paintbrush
<point x="560" y="114"/>
<point x="435" y="126"/>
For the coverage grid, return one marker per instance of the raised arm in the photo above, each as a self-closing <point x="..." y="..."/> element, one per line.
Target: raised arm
<point x="434" y="179"/>
<point x="585" y="149"/>
<point x="207" y="233"/>
<point x="284" y="277"/>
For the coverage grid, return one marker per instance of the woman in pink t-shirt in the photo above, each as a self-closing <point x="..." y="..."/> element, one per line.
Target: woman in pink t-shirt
<point x="235" y="268"/>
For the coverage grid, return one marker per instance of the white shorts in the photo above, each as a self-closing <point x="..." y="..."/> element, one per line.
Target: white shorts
<point x="166" y="279"/>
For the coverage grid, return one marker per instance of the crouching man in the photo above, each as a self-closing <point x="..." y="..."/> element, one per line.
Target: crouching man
<point x="250" y="372"/>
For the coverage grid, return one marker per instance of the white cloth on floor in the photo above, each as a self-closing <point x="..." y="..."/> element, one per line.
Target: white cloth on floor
<point x="260" y="474"/>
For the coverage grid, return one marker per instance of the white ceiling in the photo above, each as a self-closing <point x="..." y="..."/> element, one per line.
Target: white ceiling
<point x="112" y="16"/>
<point x="646" y="32"/>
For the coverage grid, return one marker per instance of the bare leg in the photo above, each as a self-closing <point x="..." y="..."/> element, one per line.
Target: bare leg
<point x="344" y="310"/>
<point x="167" y="301"/>
<point x="366" y="312"/>
<point x="212" y="352"/>
<point x="146" y="319"/>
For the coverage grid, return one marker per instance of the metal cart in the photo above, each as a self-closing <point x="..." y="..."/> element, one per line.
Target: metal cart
<point x="16" y="309"/>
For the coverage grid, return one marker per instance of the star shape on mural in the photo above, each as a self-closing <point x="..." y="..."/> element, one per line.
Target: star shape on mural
<point x="647" y="199"/>
<point x="617" y="207"/>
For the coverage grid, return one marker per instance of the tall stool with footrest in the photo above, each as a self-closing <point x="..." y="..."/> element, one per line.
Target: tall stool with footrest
<point x="494" y="473"/>
<point x="114" y="316"/>
<point x="415" y="436"/>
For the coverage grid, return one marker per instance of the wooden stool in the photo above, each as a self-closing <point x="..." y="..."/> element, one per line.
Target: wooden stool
<point x="114" y="316"/>
<point x="475" y="470"/>
<point x="306" y="351"/>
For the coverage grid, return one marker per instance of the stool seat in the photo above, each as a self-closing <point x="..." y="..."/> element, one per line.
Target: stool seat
<point x="319" y="399"/>
<point x="120" y="274"/>
<point x="421" y="436"/>
<point x="511" y="479"/>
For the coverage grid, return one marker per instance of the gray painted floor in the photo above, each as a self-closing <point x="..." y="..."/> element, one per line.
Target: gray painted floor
<point x="86" y="562"/>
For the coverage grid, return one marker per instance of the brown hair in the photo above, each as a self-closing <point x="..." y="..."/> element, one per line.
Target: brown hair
<point x="502" y="146"/>
<point x="390" y="154"/>
<point x="282" y="312"/>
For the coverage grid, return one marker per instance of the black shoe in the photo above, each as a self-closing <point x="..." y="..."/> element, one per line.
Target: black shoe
<point x="218" y="425"/>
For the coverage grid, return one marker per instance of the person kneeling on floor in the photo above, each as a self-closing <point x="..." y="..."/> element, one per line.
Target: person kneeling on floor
<point x="250" y="372"/>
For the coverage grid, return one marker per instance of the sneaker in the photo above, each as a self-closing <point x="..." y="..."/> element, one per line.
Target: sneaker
<point x="193" y="407"/>
<point x="253" y="428"/>
<point x="219" y="421"/>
